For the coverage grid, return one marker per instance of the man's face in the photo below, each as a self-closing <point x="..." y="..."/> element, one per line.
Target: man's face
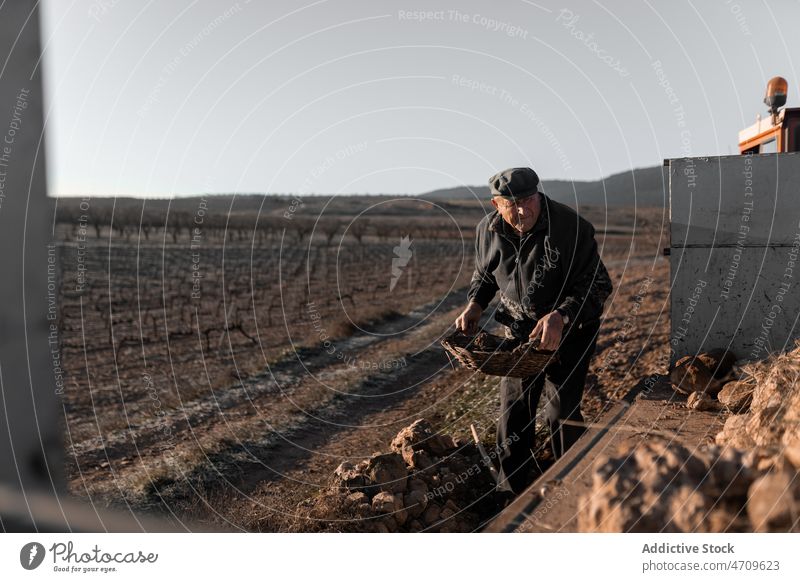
<point x="521" y="215"/>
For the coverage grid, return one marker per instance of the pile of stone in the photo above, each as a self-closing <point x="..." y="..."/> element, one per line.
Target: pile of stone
<point x="662" y="486"/>
<point x="769" y="406"/>
<point x="748" y="481"/>
<point x="764" y="396"/>
<point x="708" y="379"/>
<point x="428" y="482"/>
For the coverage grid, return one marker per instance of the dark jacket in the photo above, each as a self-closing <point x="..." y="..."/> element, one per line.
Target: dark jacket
<point x="553" y="265"/>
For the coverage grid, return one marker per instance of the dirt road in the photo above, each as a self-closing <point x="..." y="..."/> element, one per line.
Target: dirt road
<point x="246" y="454"/>
<point x="270" y="484"/>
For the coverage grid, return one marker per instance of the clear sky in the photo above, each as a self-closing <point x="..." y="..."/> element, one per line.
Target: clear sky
<point x="185" y="97"/>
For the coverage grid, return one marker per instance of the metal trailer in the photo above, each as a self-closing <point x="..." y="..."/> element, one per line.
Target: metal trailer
<point x="734" y="270"/>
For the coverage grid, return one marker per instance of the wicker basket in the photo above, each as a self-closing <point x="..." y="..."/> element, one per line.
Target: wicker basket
<point x="498" y="356"/>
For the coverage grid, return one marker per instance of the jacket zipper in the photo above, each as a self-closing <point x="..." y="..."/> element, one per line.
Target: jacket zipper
<point x="517" y="281"/>
<point x="518" y="252"/>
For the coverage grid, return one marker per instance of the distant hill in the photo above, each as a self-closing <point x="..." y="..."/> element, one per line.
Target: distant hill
<point x="645" y="186"/>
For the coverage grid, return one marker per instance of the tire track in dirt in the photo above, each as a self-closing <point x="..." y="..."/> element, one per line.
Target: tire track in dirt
<point x="294" y="459"/>
<point x="280" y="388"/>
<point x="248" y="464"/>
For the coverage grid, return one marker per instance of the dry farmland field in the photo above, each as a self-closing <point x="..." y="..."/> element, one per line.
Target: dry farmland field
<point x="224" y="355"/>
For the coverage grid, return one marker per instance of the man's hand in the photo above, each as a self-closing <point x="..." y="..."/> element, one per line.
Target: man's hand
<point x="549" y="329"/>
<point x="468" y="320"/>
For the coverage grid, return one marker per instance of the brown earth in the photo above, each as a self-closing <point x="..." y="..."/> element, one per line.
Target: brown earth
<point x="249" y="453"/>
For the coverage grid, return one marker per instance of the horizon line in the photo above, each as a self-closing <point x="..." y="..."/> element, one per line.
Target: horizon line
<point x="316" y="194"/>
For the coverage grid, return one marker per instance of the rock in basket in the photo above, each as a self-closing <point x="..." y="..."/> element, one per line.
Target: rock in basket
<point x="498" y="356"/>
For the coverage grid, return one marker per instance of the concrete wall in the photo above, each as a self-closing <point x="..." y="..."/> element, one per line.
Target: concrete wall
<point x="30" y="444"/>
<point x="735" y="236"/>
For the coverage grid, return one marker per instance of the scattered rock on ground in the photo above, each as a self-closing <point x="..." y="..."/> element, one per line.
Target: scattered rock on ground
<point x="387" y="473"/>
<point x="419" y="445"/>
<point x="702" y="401"/>
<point x="690" y="374"/>
<point x="429" y="482"/>
<point x="718" y="361"/>
<point x="773" y="502"/>
<point x="749" y="481"/>
<point x="736" y="396"/>
<point x="773" y="418"/>
<point x="734" y="433"/>
<point x="792" y="455"/>
<point x="348" y="477"/>
<point x="661" y="486"/>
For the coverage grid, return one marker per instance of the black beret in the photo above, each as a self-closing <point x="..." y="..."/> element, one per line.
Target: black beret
<point x="514" y="183"/>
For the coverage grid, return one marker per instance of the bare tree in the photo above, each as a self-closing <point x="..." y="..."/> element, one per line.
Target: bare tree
<point x="358" y="229"/>
<point x="178" y="221"/>
<point x="149" y="220"/>
<point x="99" y="216"/>
<point x="301" y="228"/>
<point x="329" y="227"/>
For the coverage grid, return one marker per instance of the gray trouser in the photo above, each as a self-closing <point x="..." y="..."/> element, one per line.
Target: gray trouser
<point x="562" y="383"/>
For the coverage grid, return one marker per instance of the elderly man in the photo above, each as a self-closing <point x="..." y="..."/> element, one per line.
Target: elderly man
<point x="542" y="257"/>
